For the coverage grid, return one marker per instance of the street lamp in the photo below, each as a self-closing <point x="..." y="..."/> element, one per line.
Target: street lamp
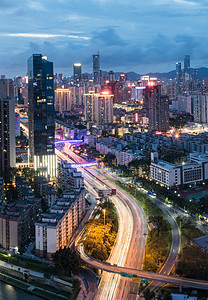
<point x="104" y="210"/>
<point x="9" y="255"/>
<point x="145" y="262"/>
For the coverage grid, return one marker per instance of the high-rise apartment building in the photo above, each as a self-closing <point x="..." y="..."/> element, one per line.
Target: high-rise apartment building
<point x="114" y="88"/>
<point x="77" y="68"/>
<point x="200" y="107"/>
<point x="157" y="107"/>
<point x="98" y="108"/>
<point x="63" y="100"/>
<point x="41" y="115"/>
<point x="7" y="87"/>
<point x="96" y="67"/>
<point x="111" y="75"/>
<point x="56" y="228"/>
<point x="7" y="133"/>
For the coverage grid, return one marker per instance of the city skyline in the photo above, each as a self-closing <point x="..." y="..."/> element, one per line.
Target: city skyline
<point x="134" y="39"/>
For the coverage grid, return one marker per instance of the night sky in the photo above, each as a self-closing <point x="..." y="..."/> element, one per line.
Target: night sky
<point x="143" y="36"/>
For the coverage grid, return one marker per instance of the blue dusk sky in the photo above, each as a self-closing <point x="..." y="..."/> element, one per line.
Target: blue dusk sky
<point x="136" y="35"/>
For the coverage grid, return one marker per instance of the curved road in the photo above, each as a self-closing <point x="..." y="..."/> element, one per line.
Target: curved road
<point x="175" y="246"/>
<point x="129" y="248"/>
<point x="132" y="245"/>
<point x="192" y="283"/>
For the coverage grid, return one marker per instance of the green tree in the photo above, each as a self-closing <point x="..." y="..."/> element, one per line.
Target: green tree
<point x="167" y="295"/>
<point x="109" y="158"/>
<point x="66" y="262"/>
<point x="148" y="295"/>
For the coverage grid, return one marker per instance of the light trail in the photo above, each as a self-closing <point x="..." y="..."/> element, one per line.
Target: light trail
<point x="68" y="141"/>
<point x="130" y="244"/>
<point x="83" y="165"/>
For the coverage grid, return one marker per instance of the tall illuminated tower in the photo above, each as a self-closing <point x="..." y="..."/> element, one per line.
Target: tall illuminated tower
<point x="77" y="72"/>
<point x="41" y="115"/>
<point x="96" y="67"/>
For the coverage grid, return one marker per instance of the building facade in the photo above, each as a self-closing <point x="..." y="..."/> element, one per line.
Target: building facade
<point x="63" y="101"/>
<point x="7" y="133"/>
<point x="98" y="108"/>
<point x="157" y="107"/>
<point x="77" y="71"/>
<point x="41" y="115"/>
<point x="169" y="174"/>
<point x="55" y="229"/>
<point x="96" y="67"/>
<point x="68" y="177"/>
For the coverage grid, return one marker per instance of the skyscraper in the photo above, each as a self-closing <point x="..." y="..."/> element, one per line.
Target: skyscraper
<point x="96" y="67"/>
<point x="63" y="100"/>
<point x="186" y="63"/>
<point x="7" y="133"/>
<point x="41" y="115"/>
<point x="157" y="107"/>
<point x="98" y="108"/>
<point x="178" y="77"/>
<point x="77" y="72"/>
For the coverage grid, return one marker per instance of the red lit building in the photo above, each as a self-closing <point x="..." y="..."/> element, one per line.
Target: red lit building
<point x="115" y="89"/>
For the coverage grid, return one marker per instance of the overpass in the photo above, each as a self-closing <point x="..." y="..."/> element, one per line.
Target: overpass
<point x="133" y="273"/>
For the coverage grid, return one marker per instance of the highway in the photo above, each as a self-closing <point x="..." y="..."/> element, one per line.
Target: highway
<point x="129" y="247"/>
<point x="175" y="246"/>
<point x="192" y="283"/>
<point x="176" y="239"/>
<point x="163" y="276"/>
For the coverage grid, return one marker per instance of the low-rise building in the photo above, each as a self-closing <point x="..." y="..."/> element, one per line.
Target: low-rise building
<point x="69" y="178"/>
<point x="17" y="223"/>
<point x="169" y="174"/>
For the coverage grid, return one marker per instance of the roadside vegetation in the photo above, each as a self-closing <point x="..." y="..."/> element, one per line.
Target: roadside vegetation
<point x="192" y="262"/>
<point x="28" y="264"/>
<point x="101" y="231"/>
<point x="159" y="238"/>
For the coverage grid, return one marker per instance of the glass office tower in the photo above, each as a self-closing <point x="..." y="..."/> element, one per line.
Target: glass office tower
<point x="41" y="115"/>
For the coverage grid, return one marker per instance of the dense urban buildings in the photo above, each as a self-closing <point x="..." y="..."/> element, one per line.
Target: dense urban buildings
<point x="41" y="115"/>
<point x="18" y="218"/>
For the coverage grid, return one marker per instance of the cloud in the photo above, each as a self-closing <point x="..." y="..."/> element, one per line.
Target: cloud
<point x="108" y="37"/>
<point x="44" y="35"/>
<point x="186" y="2"/>
<point x="144" y="34"/>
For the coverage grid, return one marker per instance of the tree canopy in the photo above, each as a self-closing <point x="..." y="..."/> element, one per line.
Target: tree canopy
<point x="66" y="261"/>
